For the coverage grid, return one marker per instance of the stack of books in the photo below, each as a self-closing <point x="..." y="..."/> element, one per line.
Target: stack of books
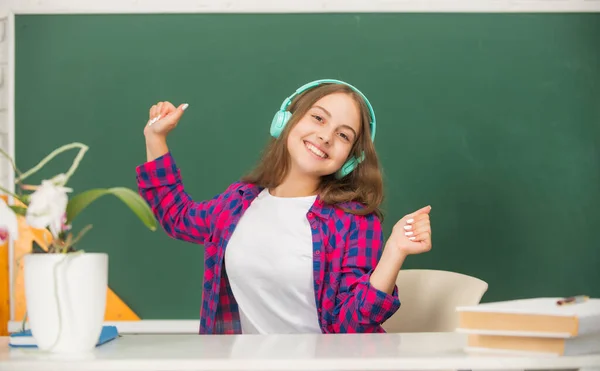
<point x="541" y="326"/>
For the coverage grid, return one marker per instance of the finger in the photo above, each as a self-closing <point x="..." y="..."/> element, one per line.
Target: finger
<point x="175" y="116"/>
<point x="423" y="237"/>
<point x="181" y="108"/>
<point x="411" y="218"/>
<point x="420" y="225"/>
<point x="423" y="225"/>
<point x="410" y="222"/>
<point x="153" y="118"/>
<point x="423" y="210"/>
<point x="157" y="115"/>
<point x="421" y="217"/>
<point x="418" y="231"/>
<point x="167" y="108"/>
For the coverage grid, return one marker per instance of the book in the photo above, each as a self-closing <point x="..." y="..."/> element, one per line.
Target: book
<point x="24" y="339"/>
<point x="586" y="344"/>
<point x="535" y="317"/>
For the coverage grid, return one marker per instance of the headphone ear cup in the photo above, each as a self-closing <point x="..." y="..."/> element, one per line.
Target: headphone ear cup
<point x="279" y="120"/>
<point x="347" y="168"/>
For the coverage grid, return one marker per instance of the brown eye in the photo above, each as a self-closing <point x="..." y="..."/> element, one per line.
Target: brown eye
<point x="318" y="118"/>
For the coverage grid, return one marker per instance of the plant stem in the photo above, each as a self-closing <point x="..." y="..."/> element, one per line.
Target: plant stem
<point x="82" y="149"/>
<point x="69" y="244"/>
<point x="76" y="161"/>
<point x="10" y="194"/>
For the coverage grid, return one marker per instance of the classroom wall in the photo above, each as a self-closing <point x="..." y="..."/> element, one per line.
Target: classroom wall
<point x="119" y="6"/>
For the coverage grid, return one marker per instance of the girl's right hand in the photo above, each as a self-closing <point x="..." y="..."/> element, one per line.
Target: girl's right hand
<point x="163" y="118"/>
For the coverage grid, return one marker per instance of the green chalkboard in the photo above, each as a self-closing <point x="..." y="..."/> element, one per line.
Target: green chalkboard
<point x="493" y="119"/>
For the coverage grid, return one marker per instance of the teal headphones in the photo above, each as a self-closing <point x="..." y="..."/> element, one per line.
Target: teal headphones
<point x="283" y="116"/>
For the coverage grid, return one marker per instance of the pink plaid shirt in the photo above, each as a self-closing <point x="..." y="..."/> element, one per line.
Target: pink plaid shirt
<point x="346" y="249"/>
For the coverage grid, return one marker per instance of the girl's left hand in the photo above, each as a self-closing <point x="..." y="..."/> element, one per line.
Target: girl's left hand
<point x="412" y="234"/>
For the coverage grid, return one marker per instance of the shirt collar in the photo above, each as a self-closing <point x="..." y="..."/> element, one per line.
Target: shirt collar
<point x="321" y="209"/>
<point x="250" y="191"/>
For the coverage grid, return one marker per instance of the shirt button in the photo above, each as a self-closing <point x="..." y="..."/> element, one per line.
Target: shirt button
<point x="317" y="252"/>
<point x="310" y="214"/>
<point x="314" y="227"/>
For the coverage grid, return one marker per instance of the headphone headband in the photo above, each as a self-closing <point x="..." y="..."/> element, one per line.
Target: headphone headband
<point x="312" y="84"/>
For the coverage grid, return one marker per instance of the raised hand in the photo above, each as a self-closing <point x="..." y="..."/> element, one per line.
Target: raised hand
<point x="412" y="234"/>
<point x="163" y="117"/>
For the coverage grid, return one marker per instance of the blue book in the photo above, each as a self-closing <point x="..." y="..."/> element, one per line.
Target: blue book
<point x="24" y="339"/>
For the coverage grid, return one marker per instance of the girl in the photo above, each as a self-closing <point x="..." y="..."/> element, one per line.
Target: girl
<point x="295" y="246"/>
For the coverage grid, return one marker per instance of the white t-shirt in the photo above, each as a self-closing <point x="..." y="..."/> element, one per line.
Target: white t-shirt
<point x="269" y="263"/>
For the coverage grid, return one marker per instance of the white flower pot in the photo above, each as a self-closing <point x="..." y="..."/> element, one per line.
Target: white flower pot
<point x="66" y="299"/>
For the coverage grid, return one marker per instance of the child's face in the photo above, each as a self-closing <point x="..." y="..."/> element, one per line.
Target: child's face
<point x="321" y="141"/>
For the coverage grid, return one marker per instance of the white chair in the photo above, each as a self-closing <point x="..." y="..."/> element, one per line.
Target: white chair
<point x="429" y="299"/>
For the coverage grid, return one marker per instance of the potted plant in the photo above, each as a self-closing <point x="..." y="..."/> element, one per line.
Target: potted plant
<point x="65" y="287"/>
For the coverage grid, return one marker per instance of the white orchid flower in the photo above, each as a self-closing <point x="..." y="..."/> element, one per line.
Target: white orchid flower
<point x="9" y="228"/>
<point x="48" y="205"/>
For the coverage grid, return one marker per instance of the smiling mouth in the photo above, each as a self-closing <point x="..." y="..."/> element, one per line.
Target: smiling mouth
<point x="314" y="150"/>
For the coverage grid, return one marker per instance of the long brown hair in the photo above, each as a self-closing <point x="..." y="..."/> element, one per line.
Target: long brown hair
<point x="364" y="184"/>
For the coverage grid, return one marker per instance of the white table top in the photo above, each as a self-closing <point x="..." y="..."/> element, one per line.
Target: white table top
<point x="411" y="351"/>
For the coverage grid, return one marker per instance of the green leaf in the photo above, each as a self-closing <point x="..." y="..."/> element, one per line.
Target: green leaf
<point x="129" y="197"/>
<point x="19" y="210"/>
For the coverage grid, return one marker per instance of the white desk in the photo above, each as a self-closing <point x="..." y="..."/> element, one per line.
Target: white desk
<point x="433" y="351"/>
